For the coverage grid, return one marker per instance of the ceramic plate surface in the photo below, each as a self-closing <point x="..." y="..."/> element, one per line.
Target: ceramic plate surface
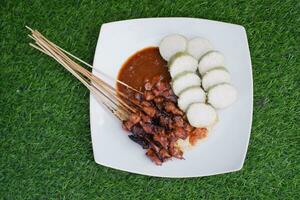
<point x="226" y="147"/>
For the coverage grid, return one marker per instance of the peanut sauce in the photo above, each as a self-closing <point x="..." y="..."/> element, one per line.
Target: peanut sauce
<point x="141" y="67"/>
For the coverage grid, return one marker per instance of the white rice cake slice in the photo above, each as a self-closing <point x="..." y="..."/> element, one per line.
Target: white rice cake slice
<point x="201" y="115"/>
<point x="211" y="60"/>
<point x="189" y="96"/>
<point x="222" y="96"/>
<point x="185" y="80"/>
<point x="172" y="44"/>
<point x="199" y="46"/>
<point x="182" y="62"/>
<point x="215" y="77"/>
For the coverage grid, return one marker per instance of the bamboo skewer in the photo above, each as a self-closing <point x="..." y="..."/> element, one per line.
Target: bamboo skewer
<point x="91" y="88"/>
<point x="91" y="76"/>
<point x="88" y="74"/>
<point x="87" y="64"/>
<point x="103" y="92"/>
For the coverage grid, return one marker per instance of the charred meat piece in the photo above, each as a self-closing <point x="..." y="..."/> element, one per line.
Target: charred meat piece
<point x="157" y="92"/>
<point x="152" y="129"/>
<point x="158" y="100"/>
<point x="162" y="139"/>
<point x="164" y="154"/>
<point x="139" y="140"/>
<point x="134" y="118"/>
<point x="164" y="121"/>
<point x="172" y="98"/>
<point x="146" y="103"/>
<point x="148" y="95"/>
<point x="146" y="118"/>
<point x="159" y="129"/>
<point x="172" y="108"/>
<point x="149" y="110"/>
<point x="152" y="155"/>
<point x="168" y="93"/>
<point x="178" y="121"/>
<point x="138" y="130"/>
<point x="180" y="133"/>
<point x="127" y="125"/>
<point x="162" y="86"/>
<point x="160" y="123"/>
<point x="155" y="147"/>
<point x="160" y="107"/>
<point x="188" y="128"/>
<point x="148" y="128"/>
<point x="134" y="102"/>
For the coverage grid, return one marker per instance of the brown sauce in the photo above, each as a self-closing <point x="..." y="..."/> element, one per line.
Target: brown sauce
<point x="142" y="67"/>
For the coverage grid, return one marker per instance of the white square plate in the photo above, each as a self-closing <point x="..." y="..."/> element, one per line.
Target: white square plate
<point x="226" y="147"/>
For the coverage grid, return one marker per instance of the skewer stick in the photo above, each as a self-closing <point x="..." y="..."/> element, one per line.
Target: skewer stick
<point x="87" y="64"/>
<point x="80" y="73"/>
<point x="40" y="40"/>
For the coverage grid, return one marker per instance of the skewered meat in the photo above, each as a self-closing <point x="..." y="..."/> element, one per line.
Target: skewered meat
<point x="172" y="108"/>
<point x="160" y="123"/>
<point x="178" y="121"/>
<point x="180" y="133"/>
<point x="134" y="118"/>
<point x="138" y="130"/>
<point x="140" y="141"/>
<point x="146" y="118"/>
<point x="158" y="100"/>
<point x="164" y="154"/>
<point x="162" y="139"/>
<point x="152" y="155"/>
<point x="149" y="110"/>
<point x="148" y="128"/>
<point x="127" y="125"/>
<point x="148" y="95"/>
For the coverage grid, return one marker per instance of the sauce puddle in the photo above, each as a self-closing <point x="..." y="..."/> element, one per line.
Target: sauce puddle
<point x="141" y="67"/>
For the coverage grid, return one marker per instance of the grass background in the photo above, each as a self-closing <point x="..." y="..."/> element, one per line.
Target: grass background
<point x="45" y="145"/>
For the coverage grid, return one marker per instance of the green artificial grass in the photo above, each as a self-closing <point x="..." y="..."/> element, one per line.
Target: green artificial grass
<point x="45" y="144"/>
